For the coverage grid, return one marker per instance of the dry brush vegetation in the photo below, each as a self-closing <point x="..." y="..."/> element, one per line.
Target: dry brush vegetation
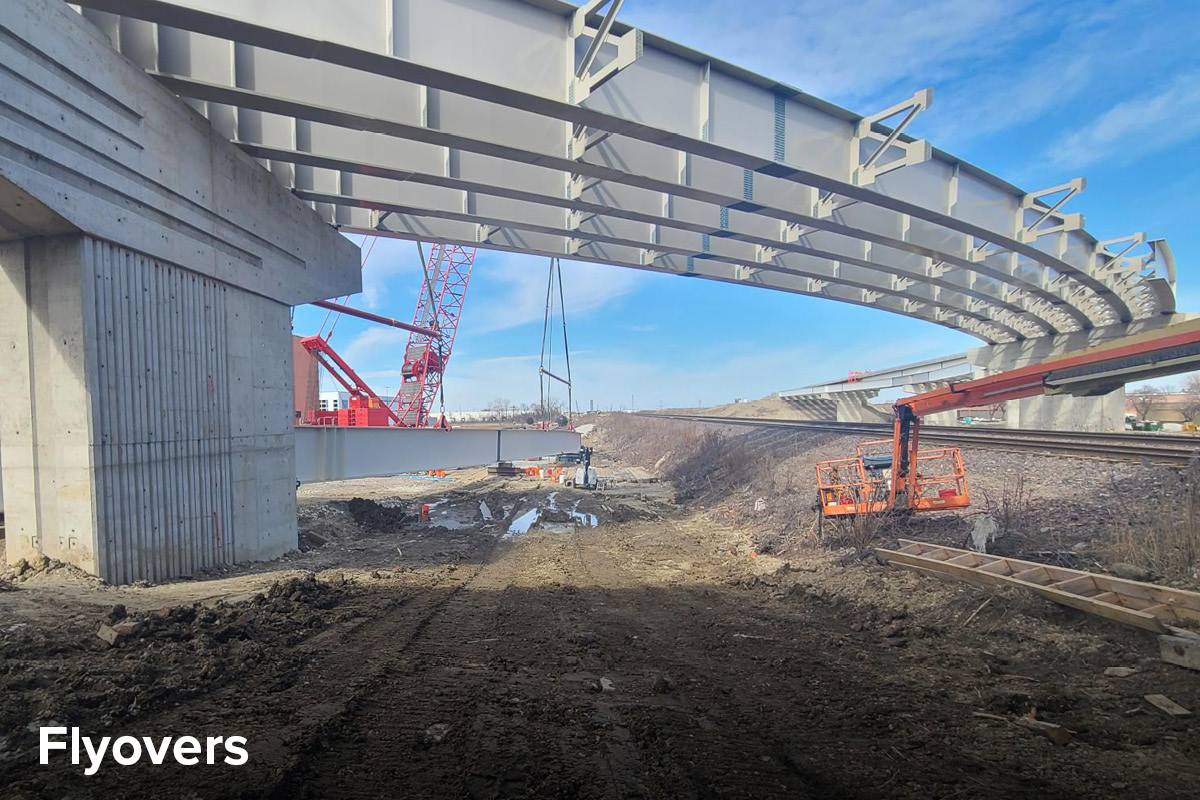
<point x="1075" y="512"/>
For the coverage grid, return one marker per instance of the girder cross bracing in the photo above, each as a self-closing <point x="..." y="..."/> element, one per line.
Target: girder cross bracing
<point x="541" y="127"/>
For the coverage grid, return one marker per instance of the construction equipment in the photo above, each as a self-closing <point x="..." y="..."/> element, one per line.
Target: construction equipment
<point x="1143" y="605"/>
<point x="431" y="337"/>
<point x="899" y="476"/>
<point x="366" y="409"/>
<point x="439" y="309"/>
<point x="585" y="476"/>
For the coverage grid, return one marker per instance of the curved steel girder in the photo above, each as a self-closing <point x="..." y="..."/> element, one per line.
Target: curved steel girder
<point x="456" y="216"/>
<point x="945" y="323"/>
<point x="425" y="236"/>
<point x="201" y="90"/>
<point x="402" y="69"/>
<point x="599" y="210"/>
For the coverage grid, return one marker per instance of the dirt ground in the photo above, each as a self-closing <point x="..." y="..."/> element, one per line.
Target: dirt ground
<point x="769" y="407"/>
<point x="654" y="654"/>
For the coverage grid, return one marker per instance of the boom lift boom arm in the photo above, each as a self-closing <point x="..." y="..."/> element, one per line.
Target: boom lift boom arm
<point x="908" y="478"/>
<point x="1093" y="371"/>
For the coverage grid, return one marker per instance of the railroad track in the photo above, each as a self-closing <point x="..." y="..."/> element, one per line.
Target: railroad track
<point x="1176" y="449"/>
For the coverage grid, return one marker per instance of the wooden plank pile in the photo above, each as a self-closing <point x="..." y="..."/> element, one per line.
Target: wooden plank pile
<point x="1160" y="609"/>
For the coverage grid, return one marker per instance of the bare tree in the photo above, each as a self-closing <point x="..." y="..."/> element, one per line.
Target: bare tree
<point x="1190" y="408"/>
<point x="1144" y="399"/>
<point x="550" y="411"/>
<point x="500" y="408"/>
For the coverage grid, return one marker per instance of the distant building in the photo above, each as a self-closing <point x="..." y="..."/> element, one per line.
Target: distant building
<point x="333" y="401"/>
<point x="1163" y="407"/>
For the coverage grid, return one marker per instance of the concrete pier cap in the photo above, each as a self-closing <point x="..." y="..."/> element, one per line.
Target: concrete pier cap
<point x="147" y="268"/>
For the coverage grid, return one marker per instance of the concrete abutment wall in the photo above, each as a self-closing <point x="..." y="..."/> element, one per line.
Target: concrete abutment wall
<point x="145" y="413"/>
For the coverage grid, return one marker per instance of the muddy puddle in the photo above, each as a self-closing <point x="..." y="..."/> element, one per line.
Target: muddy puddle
<point x="549" y="516"/>
<point x="454" y="518"/>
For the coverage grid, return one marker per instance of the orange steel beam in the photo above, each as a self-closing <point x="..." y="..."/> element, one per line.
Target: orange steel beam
<point x="1037" y="378"/>
<point x="367" y="315"/>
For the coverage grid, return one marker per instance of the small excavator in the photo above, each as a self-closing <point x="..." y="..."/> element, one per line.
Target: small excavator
<point x="898" y="475"/>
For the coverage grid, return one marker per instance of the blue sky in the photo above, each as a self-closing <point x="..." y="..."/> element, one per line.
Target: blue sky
<point x="1035" y="92"/>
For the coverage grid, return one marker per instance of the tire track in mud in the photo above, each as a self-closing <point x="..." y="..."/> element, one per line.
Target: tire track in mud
<point x="699" y="736"/>
<point x="774" y="699"/>
<point x="417" y="732"/>
<point x="285" y="724"/>
<point x="387" y="642"/>
<point x="481" y="705"/>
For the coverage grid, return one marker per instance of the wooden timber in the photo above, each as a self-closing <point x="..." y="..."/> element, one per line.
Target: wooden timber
<point x="1144" y="605"/>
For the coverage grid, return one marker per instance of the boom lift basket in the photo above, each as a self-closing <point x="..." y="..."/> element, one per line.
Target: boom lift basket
<point x="863" y="484"/>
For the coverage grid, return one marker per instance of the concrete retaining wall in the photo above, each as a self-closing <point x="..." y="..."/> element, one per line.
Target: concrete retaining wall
<point x="146" y="269"/>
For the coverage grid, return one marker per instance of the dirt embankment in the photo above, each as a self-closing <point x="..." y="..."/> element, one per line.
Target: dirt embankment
<point x="770" y="407"/>
<point x="1078" y="513"/>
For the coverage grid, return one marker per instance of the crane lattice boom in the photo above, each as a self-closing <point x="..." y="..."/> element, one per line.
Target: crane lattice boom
<point x="439" y="307"/>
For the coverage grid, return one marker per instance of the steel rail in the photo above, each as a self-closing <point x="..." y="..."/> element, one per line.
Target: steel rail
<point x="1160" y="448"/>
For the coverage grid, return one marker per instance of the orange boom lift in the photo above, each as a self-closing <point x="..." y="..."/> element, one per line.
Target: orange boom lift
<point x="899" y="475"/>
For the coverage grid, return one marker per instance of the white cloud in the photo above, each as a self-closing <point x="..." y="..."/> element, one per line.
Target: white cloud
<point x="390" y="260"/>
<point x="845" y="50"/>
<point x="376" y="344"/>
<point x="995" y="64"/>
<point x="999" y="100"/>
<point x="1134" y="128"/>
<point x="516" y="290"/>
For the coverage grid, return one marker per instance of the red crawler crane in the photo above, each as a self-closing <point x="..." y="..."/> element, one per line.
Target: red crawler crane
<point x="439" y="307"/>
<point x="366" y="408"/>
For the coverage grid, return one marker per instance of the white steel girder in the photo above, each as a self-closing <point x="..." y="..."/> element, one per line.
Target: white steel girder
<point x="606" y="144"/>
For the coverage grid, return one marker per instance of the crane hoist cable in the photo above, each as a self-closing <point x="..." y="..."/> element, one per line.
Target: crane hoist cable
<point x="546" y="363"/>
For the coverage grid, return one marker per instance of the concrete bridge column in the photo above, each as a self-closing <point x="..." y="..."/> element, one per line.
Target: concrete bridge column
<point x="1105" y="413"/>
<point x="1065" y="412"/>
<point x="856" y="407"/>
<point x="145" y="413"/>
